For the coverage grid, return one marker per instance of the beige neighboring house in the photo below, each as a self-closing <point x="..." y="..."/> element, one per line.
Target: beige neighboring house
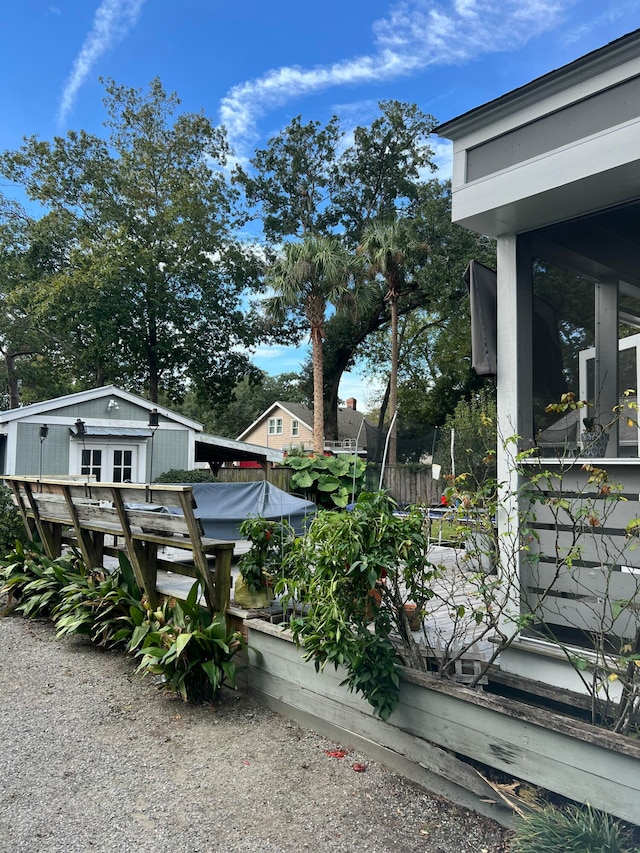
<point x="288" y="426"/>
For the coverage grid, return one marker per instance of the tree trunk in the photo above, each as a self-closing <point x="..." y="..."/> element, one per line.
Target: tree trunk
<point x="393" y="378"/>
<point x="12" y="381"/>
<point x="318" y="402"/>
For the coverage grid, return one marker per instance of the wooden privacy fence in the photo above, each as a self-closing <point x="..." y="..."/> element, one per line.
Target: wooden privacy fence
<point x="583" y="571"/>
<point x="406" y="485"/>
<point x="145" y="518"/>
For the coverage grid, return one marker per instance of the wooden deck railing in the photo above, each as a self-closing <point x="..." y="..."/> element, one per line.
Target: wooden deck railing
<point x="583" y="566"/>
<point x="144" y="518"/>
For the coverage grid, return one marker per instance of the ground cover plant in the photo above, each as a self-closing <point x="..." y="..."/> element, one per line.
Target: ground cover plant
<point x="190" y="649"/>
<point x="105" y="606"/>
<point x="34" y="582"/>
<point x="573" y="829"/>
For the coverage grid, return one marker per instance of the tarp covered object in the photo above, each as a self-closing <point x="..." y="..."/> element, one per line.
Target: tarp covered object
<point x="222" y="507"/>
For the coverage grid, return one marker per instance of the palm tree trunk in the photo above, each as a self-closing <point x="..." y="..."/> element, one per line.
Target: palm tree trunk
<point x="318" y="401"/>
<point x="393" y="378"/>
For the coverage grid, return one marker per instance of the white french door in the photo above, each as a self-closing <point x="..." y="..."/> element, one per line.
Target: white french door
<point x="110" y="463"/>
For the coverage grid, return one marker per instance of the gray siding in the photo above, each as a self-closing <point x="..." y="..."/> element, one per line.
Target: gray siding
<point x="606" y="109"/>
<point x="170" y="450"/>
<point x="55" y="450"/>
<point x="98" y="409"/>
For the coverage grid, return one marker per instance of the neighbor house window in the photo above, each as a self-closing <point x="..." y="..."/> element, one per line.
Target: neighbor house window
<point x="275" y="426"/>
<point x="295" y="428"/>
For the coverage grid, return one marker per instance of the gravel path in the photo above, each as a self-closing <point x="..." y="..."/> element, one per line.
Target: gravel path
<point x="94" y="759"/>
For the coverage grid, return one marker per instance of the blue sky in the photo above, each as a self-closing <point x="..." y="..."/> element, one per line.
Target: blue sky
<point x="253" y="65"/>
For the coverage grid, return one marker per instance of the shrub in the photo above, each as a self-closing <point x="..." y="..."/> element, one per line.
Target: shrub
<point x="190" y="649"/>
<point x="103" y="606"/>
<point x="347" y="579"/>
<point x="11" y="527"/>
<point x="177" y="475"/>
<point x="573" y="829"/>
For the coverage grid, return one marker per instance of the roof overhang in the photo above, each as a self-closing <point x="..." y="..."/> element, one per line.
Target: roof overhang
<point x="110" y="432"/>
<point x="215" y="449"/>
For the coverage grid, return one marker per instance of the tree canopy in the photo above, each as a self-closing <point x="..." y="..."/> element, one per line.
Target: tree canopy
<point x="147" y="289"/>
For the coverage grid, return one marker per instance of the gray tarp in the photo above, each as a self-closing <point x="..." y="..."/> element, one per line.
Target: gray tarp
<point x="222" y="507"/>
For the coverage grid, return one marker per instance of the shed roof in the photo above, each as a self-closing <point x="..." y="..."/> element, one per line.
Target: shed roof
<point x="106" y="391"/>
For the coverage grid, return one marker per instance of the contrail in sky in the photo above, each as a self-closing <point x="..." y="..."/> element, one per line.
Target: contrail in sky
<point x="112" y="22"/>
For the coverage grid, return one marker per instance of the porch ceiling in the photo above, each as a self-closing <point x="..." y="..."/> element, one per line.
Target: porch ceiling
<point x="603" y="246"/>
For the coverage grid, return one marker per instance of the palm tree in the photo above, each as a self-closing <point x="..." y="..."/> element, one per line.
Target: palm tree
<point x="381" y="245"/>
<point x="310" y="275"/>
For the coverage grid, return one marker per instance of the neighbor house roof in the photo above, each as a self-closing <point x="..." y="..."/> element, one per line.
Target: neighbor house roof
<point x="349" y="420"/>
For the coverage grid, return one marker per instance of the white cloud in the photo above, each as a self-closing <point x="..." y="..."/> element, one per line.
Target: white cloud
<point x="442" y="157"/>
<point x="414" y="35"/>
<point x="112" y="22"/>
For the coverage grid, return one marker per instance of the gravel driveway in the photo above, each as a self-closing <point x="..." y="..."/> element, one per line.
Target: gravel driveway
<point x="94" y="759"/>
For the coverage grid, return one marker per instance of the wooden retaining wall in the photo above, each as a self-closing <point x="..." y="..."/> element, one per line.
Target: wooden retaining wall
<point x="437" y="724"/>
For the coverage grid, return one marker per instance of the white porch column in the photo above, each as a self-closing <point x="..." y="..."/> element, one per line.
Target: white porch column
<point x="606" y="367"/>
<point x="515" y="403"/>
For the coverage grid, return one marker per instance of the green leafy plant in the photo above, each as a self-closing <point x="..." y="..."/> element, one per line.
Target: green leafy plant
<point x="263" y="562"/>
<point x="190" y="649"/>
<point x="346" y="581"/>
<point x="11" y="526"/>
<point x="327" y="480"/>
<point x="574" y="829"/>
<point x="35" y="581"/>
<point x="179" y="475"/>
<point x="106" y="606"/>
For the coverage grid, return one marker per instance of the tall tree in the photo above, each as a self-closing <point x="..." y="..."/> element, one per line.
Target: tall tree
<point x="308" y="276"/>
<point x="382" y="247"/>
<point x="304" y="182"/>
<point x="436" y="255"/>
<point x="151" y="294"/>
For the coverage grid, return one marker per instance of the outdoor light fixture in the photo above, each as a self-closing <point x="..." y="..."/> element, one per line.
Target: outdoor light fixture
<point x="80" y="427"/>
<point x="44" y="432"/>
<point x="112" y="404"/>
<point x="154" y="423"/>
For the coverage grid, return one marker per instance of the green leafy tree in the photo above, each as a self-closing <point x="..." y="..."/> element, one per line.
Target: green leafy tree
<point x="150" y="291"/>
<point x="251" y="396"/>
<point x="302" y="184"/>
<point x="434" y="360"/>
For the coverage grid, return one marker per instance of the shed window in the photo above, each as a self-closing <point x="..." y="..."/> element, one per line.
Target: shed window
<point x="91" y="464"/>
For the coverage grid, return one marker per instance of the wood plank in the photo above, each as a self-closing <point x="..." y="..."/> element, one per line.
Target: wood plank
<point x="608" y="512"/>
<point x="581" y="581"/>
<point x="146" y="577"/>
<point x="531" y="744"/>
